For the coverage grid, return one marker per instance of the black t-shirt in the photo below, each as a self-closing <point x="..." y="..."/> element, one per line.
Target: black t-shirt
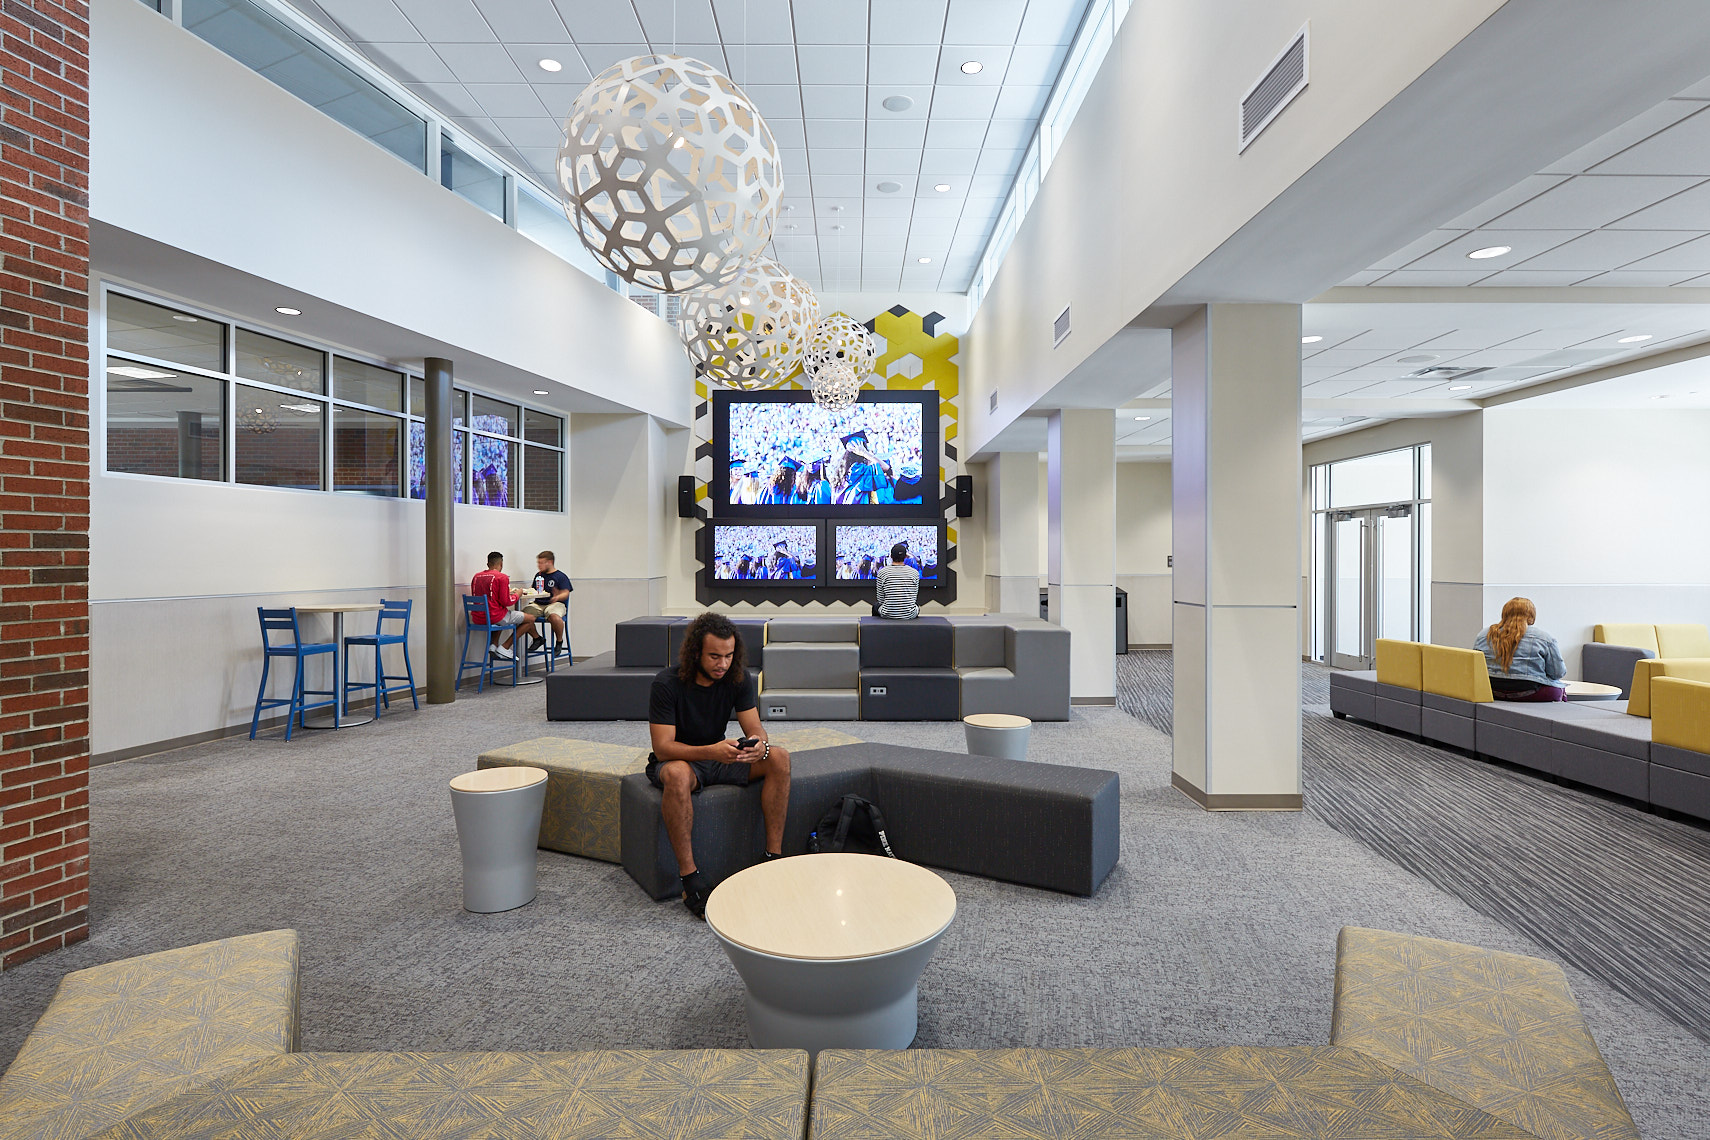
<point x="552" y="581"/>
<point x="700" y="712"/>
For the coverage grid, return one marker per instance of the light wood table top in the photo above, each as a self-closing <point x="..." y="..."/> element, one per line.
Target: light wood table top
<point x="340" y="608"/>
<point x="1592" y="691"/>
<point x="996" y="720"/>
<point x="831" y="906"/>
<point x="507" y="779"/>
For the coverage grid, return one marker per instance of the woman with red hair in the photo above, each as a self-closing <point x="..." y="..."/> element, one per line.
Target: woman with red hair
<point x="1525" y="663"/>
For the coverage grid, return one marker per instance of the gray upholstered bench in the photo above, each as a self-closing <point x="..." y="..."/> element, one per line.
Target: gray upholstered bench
<point x="1041" y="825"/>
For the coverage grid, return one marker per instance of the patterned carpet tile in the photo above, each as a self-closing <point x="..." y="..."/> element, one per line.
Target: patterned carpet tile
<point x="1232" y="1093"/>
<point x="1501" y="1031"/>
<point x="703" y="1094"/>
<point x="122" y="1037"/>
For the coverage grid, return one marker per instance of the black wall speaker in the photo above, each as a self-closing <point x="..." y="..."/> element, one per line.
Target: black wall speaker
<point x="964" y="496"/>
<point x="685" y="496"/>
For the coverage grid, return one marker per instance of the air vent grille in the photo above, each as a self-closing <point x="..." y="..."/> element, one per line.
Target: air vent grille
<point x="1060" y="327"/>
<point x="1266" y="99"/>
<point x="994" y="400"/>
<point x="1444" y="372"/>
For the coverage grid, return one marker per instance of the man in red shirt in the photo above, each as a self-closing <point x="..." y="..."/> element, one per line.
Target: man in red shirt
<point x="494" y="585"/>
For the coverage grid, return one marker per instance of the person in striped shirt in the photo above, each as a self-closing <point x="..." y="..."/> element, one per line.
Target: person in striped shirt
<point x="899" y="587"/>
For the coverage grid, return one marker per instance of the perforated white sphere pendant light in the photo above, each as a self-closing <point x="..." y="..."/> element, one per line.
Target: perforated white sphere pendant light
<point x="669" y="173"/>
<point x="749" y="334"/>
<point x="836" y="339"/>
<point x="836" y="387"/>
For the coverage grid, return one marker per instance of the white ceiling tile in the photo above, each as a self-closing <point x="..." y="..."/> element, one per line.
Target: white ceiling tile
<point x="901" y="224"/>
<point x="833" y="63"/>
<point x="448" y="21"/>
<point x="794" y="160"/>
<point x="1699" y="90"/>
<point x="685" y="21"/>
<point x="709" y="52"/>
<point x="449" y="98"/>
<point x="837" y="185"/>
<point x="781" y="99"/>
<point x="989" y="186"/>
<point x="993" y="60"/>
<point x="1364" y="277"/>
<point x="411" y="62"/>
<point x="964" y="102"/>
<point x="889" y="244"/>
<point x="1010" y="134"/>
<point x="1452" y="256"/>
<point x="885" y="161"/>
<point x="834" y="101"/>
<point x="896" y="133"/>
<point x="506" y="100"/>
<point x="1051" y="21"/>
<point x="374" y="21"/>
<point x="600" y="23"/>
<point x="998" y="162"/>
<point x="906" y="21"/>
<point x="829" y="21"/>
<point x="480" y="63"/>
<point x="1603" y="250"/>
<point x="1035" y="65"/>
<point x="1689" y="210"/>
<point x="599" y="56"/>
<point x="847" y="209"/>
<point x="1640" y="279"/>
<point x="755" y="21"/>
<point x="516" y="21"/>
<point x="1347" y="357"/>
<point x="789" y="243"/>
<point x="1523" y="191"/>
<point x="1021" y="102"/>
<point x="1533" y="279"/>
<point x="850" y="133"/>
<point x="539" y="131"/>
<point x="966" y="134"/>
<point x="1627" y="134"/>
<point x="574" y="75"/>
<point x="542" y="159"/>
<point x="1330" y="389"/>
<point x="902" y="64"/>
<point x="788" y="132"/>
<point x="1429" y="278"/>
<point x="1683" y="148"/>
<point x="939" y="206"/>
<point x="984" y="21"/>
<point x="1407" y="254"/>
<point x="764" y="63"/>
<point x="827" y="160"/>
<point x="877" y="280"/>
<point x="1592" y="200"/>
<point x="952" y="162"/>
<point x="888" y="208"/>
<point x="1691" y="256"/>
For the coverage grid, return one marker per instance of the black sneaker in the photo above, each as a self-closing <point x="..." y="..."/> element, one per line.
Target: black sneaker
<point x="695" y="894"/>
<point x="536" y="644"/>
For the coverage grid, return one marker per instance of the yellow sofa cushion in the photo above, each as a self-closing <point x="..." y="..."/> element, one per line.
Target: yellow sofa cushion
<point x="1460" y="673"/>
<point x="1617" y="633"/>
<point x="1680" y="713"/>
<point x="1400" y="663"/>
<point x="1683" y="641"/>
<point x="1644" y="672"/>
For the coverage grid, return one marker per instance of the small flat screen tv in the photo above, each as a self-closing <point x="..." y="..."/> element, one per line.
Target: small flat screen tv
<point x="859" y="549"/>
<point x="780" y="455"/>
<point x="765" y="554"/>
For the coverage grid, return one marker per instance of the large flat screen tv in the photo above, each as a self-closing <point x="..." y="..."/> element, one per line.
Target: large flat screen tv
<point x="765" y="554"/>
<point x="779" y="455"/>
<point x="859" y="549"/>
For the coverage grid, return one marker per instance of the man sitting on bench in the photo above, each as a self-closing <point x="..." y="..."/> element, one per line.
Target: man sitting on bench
<point x="688" y="710"/>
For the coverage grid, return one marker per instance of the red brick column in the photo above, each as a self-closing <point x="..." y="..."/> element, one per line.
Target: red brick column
<point x="44" y="476"/>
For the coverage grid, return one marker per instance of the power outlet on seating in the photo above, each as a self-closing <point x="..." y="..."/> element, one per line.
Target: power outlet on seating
<point x="875" y="690"/>
<point x="778" y="710"/>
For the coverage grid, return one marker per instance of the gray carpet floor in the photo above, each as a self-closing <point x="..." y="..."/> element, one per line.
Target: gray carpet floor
<point x="1214" y="928"/>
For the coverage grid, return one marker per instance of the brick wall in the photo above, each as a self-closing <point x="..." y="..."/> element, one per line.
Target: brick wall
<point x="44" y="476"/>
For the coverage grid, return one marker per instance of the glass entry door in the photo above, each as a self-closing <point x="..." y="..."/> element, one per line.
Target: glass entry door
<point x="1370" y="556"/>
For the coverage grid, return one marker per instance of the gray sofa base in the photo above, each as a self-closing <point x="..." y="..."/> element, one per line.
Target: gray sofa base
<point x="1036" y="824"/>
<point x="596" y="689"/>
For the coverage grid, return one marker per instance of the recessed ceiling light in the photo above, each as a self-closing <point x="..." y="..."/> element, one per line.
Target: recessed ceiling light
<point x="1142" y="417"/>
<point x="1490" y="251"/>
<point x="287" y="311"/>
<point x="551" y="65"/>
<point x="924" y="260"/>
<point x="1310" y="339"/>
<point x="182" y="317"/>
<point x="539" y="392"/>
<point x="942" y="187"/>
<point x="1421" y="358"/>
<point x="973" y="67"/>
<point x="1459" y="387"/>
<point x="896" y="103"/>
<point x="889" y="187"/>
<point x="1633" y="339"/>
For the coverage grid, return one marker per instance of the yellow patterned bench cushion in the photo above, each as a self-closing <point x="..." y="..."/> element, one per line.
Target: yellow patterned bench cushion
<point x="1400" y="663"/>
<point x="701" y="1094"/>
<point x="1460" y="673"/>
<point x="1639" y="695"/>
<point x="1499" y="1031"/>
<point x="1680" y="713"/>
<point x="1130" y="1094"/>
<point x="1628" y="633"/>
<point x="583" y="779"/>
<point x="126" y="1036"/>
<point x="1683" y="641"/>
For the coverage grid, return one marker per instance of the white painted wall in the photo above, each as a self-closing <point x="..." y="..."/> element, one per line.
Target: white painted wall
<point x="1143" y="549"/>
<point x="1597" y="515"/>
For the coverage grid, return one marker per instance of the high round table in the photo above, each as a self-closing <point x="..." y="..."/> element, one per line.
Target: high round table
<point x="340" y="716"/>
<point x="831" y="947"/>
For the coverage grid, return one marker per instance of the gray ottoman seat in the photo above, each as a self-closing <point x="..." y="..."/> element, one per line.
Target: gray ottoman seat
<point x="1041" y="825"/>
<point x="1608" y="750"/>
<point x="1447" y="720"/>
<point x="813" y="669"/>
<point x="924" y="643"/>
<point x="1030" y="679"/>
<point x="1354" y="694"/>
<point x="910" y="694"/>
<point x="1680" y="780"/>
<point x="1398" y="708"/>
<point x="1522" y="732"/>
<point x="600" y="689"/>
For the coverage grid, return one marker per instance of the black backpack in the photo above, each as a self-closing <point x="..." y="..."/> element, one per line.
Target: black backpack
<point x="855" y="825"/>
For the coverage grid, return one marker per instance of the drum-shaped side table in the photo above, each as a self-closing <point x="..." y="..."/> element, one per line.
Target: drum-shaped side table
<point x="498" y="827"/>
<point x="831" y="947"/>
<point x="998" y="734"/>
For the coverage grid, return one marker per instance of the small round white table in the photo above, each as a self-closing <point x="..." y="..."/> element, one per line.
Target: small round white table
<point x="831" y="947"/>
<point x="998" y="734"/>
<point x="1592" y="691"/>
<point x="498" y="831"/>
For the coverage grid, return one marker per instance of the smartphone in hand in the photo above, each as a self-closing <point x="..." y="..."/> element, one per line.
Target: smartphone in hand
<point x="748" y="742"/>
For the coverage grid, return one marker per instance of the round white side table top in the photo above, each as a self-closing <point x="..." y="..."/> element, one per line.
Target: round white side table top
<point x="996" y="720"/>
<point x="505" y="779"/>
<point x="831" y="906"/>
<point x="1591" y="691"/>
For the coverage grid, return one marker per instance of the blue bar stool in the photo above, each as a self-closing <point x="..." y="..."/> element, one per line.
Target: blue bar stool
<point x="475" y="618"/>
<point x="379" y="639"/>
<point x="281" y="621"/>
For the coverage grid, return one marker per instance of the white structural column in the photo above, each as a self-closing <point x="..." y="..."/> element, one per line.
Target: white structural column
<point x="1012" y="533"/>
<point x="617" y="514"/>
<point x="1235" y="424"/>
<point x="1081" y="487"/>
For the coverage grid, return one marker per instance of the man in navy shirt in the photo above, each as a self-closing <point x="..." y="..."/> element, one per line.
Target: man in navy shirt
<point x="555" y="584"/>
